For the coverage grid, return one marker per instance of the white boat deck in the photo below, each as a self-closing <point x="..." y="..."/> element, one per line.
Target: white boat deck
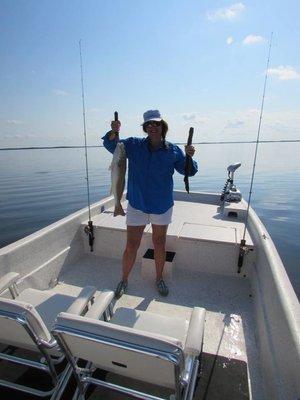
<point x="190" y="220"/>
<point x="229" y="328"/>
<point x="231" y="358"/>
<point x="203" y="237"/>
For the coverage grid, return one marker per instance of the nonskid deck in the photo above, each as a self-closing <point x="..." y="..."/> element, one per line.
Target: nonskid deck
<point x="229" y="338"/>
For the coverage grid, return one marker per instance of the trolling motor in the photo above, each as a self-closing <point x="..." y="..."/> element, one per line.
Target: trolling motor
<point x="230" y="193"/>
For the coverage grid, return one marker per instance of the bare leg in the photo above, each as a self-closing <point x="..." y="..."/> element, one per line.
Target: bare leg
<point x="159" y="242"/>
<point x="134" y="236"/>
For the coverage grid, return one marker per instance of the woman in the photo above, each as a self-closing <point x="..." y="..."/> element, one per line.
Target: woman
<point x="151" y="164"/>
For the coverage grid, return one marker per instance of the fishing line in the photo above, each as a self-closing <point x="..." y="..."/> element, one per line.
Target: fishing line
<point x="89" y="228"/>
<point x="243" y="241"/>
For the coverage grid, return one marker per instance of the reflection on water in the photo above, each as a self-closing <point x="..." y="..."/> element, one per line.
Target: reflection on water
<point x="39" y="187"/>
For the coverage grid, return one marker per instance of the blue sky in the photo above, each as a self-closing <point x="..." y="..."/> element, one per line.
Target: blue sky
<point x="202" y="63"/>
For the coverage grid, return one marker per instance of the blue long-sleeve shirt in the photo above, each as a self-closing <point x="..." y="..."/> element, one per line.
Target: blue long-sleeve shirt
<point x="150" y="172"/>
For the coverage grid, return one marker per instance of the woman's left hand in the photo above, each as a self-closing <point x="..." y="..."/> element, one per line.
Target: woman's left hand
<point x="189" y="150"/>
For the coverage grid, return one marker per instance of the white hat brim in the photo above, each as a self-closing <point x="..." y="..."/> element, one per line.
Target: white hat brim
<point x="152" y="119"/>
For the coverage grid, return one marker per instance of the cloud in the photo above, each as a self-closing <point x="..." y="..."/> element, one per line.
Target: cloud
<point x="95" y="110"/>
<point x="18" y="136"/>
<point x="253" y="39"/>
<point x="14" y="122"/>
<point x="228" y="13"/>
<point x="234" y="124"/>
<point x="59" y="92"/>
<point x="237" y="124"/>
<point x="229" y="40"/>
<point x="284" y="73"/>
<point x="252" y="112"/>
<point x="202" y="120"/>
<point x="189" y="117"/>
<point x="279" y="126"/>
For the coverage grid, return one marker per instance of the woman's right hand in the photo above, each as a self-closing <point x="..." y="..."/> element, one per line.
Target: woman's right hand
<point x="115" y="126"/>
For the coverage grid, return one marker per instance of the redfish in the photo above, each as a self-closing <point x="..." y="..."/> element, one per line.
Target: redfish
<point x="118" y="171"/>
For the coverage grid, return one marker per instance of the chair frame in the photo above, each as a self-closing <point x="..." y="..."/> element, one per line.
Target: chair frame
<point x="184" y="387"/>
<point x="47" y="363"/>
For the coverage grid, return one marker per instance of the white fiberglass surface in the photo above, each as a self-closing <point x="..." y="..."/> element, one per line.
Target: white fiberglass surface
<point x="229" y="327"/>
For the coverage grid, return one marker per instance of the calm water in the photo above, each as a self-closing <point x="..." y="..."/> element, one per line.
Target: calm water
<point x="38" y="187"/>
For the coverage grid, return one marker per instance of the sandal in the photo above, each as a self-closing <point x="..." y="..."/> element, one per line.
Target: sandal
<point x="121" y="289"/>
<point x="162" y="288"/>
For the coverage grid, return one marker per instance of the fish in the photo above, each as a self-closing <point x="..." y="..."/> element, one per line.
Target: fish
<point x="118" y="172"/>
<point x="188" y="162"/>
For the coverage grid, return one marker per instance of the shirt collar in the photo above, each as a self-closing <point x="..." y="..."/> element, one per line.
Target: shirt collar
<point x="148" y="145"/>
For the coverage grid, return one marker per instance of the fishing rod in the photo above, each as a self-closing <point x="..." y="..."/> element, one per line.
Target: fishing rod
<point x="89" y="228"/>
<point x="116" y="117"/>
<point x="243" y="248"/>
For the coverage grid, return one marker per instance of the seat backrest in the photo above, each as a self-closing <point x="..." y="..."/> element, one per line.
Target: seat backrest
<point x="126" y="351"/>
<point x="13" y="332"/>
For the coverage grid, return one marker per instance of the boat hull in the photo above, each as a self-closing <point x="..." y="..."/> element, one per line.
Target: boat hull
<point x="42" y="257"/>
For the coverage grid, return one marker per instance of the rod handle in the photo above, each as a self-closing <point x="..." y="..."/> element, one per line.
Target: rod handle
<point x="190" y="138"/>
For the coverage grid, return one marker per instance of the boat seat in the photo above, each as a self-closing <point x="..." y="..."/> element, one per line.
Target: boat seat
<point x="140" y="345"/>
<point x="26" y="321"/>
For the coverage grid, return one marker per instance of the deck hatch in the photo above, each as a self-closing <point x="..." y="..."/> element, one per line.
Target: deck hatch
<point x="211" y="233"/>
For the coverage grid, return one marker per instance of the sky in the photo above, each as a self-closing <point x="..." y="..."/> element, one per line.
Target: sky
<point x="201" y="63"/>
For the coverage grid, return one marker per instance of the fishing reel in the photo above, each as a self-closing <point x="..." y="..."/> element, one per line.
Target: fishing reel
<point x="89" y="231"/>
<point x="230" y="193"/>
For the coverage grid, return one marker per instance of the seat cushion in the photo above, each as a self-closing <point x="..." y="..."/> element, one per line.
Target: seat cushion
<point x="47" y="303"/>
<point x="137" y="354"/>
<point x="12" y="332"/>
<point x="41" y="308"/>
<point x="115" y="332"/>
<point x="145" y="321"/>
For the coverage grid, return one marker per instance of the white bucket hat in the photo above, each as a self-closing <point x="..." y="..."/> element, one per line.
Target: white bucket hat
<point x="151" y="115"/>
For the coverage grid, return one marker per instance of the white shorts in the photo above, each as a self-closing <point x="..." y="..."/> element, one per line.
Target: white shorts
<point x="136" y="217"/>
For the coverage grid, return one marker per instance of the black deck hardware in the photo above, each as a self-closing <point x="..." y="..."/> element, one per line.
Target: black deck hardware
<point x="89" y="230"/>
<point x="188" y="162"/>
<point x="242" y="253"/>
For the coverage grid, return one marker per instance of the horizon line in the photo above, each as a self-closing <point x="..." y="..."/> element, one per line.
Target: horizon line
<point x="177" y="143"/>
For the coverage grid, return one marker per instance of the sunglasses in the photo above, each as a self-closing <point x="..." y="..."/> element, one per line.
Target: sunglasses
<point x="152" y="123"/>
